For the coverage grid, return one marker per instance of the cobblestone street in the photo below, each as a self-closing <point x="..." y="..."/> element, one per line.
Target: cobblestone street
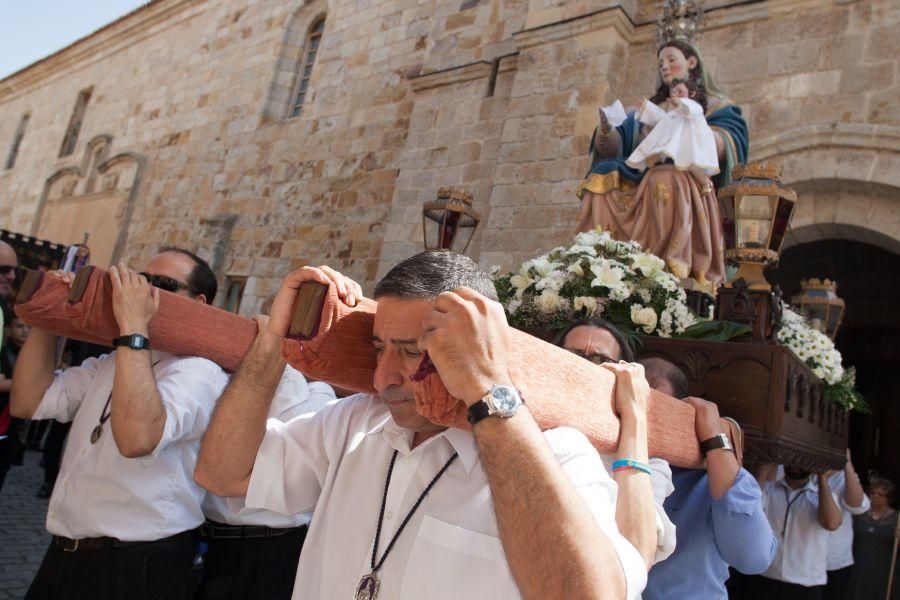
<point x="23" y="538"/>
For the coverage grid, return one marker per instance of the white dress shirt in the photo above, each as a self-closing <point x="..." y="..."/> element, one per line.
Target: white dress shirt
<point x="336" y="462"/>
<point x="802" y="541"/>
<point x="661" y="482"/>
<point x="99" y="492"/>
<point x="840" y="541"/>
<point x="293" y="397"/>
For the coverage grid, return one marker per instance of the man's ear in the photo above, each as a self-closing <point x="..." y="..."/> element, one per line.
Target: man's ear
<point x="692" y="62"/>
<point x="201" y="298"/>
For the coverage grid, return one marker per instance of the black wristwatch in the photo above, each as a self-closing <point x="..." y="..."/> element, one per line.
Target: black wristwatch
<point x="716" y="442"/>
<point x="135" y="341"/>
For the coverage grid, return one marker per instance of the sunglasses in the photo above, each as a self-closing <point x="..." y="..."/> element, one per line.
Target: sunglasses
<point x="7" y="269"/>
<point x="597" y="359"/>
<point x="165" y="283"/>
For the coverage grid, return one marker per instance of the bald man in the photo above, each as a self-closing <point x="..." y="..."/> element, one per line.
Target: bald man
<point x="9" y="262"/>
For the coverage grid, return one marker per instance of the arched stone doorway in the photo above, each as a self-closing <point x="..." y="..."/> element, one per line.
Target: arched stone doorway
<point x="865" y="263"/>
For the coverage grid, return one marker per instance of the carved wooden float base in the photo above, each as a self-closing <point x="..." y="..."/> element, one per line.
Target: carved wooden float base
<point x="775" y="397"/>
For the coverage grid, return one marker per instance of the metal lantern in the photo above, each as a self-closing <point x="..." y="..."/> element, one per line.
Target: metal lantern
<point x="449" y="222"/>
<point x="756" y="212"/>
<point x="820" y="304"/>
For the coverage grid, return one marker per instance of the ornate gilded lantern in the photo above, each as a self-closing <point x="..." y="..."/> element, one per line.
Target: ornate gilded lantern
<point x="449" y="222"/>
<point x="820" y="303"/>
<point x="756" y="212"/>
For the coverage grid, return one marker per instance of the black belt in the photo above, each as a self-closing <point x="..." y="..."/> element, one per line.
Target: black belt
<point x="105" y="543"/>
<point x="221" y="531"/>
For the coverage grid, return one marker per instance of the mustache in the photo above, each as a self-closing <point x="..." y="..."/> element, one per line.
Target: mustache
<point x="394" y="394"/>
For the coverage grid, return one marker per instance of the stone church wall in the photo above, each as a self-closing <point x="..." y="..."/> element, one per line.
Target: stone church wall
<point x="497" y="96"/>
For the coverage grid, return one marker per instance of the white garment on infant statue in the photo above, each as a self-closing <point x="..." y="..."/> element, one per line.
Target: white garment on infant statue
<point x="681" y="134"/>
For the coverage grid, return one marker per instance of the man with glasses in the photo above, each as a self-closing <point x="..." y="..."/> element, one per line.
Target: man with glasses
<point x="639" y="511"/>
<point x="125" y="508"/>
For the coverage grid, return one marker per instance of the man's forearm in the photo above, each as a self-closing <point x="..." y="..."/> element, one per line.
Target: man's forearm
<point x="853" y="491"/>
<point x="635" y="505"/>
<point x="236" y="431"/>
<point x="33" y="374"/>
<point x="829" y="515"/>
<point x="553" y="544"/>
<point x="137" y="414"/>
<point x="722" y="470"/>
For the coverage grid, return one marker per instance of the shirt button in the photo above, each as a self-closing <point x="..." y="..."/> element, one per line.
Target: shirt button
<point x="390" y="514"/>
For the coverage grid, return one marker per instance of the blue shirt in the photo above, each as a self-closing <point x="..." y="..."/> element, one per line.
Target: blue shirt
<point x="712" y="534"/>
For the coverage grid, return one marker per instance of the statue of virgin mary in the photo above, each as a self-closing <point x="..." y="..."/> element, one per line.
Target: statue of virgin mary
<point x="672" y="213"/>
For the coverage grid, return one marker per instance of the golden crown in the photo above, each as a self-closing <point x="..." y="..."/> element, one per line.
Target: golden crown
<point x="680" y="20"/>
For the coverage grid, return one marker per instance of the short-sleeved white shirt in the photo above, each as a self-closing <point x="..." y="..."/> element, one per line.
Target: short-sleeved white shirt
<point x="802" y="541"/>
<point x="336" y="462"/>
<point x="99" y="492"/>
<point x="293" y="397"/>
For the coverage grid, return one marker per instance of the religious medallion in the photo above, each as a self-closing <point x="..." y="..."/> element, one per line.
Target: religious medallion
<point x="367" y="588"/>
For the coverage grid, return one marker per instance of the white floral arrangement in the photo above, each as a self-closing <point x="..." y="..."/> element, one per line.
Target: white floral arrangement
<point x="810" y="345"/>
<point x="596" y="277"/>
<point x="819" y="353"/>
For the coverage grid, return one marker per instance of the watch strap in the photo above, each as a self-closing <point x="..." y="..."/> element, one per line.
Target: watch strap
<point x="716" y="442"/>
<point x="478" y="411"/>
<point x="135" y="341"/>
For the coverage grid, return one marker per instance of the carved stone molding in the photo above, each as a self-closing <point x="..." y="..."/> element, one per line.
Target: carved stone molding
<point x="72" y="199"/>
<point x="613" y="17"/>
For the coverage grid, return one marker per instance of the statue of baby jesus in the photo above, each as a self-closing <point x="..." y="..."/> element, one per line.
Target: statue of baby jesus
<point x="680" y="135"/>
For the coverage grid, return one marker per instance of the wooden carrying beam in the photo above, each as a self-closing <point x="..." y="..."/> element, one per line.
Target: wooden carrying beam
<point x="560" y="388"/>
<point x="181" y="326"/>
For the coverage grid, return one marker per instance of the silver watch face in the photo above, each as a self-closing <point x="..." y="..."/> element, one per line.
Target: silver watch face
<point x="505" y="400"/>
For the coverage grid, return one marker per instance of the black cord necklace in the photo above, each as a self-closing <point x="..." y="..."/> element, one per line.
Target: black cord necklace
<point x="369" y="584"/>
<point x="104" y="417"/>
<point x="105" y="414"/>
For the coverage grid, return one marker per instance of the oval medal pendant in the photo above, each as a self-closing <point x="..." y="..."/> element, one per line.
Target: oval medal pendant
<point x="367" y="588"/>
<point x="96" y="433"/>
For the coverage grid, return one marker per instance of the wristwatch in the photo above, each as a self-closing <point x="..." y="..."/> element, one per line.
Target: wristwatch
<point x="502" y="400"/>
<point x="716" y="442"/>
<point x="135" y="341"/>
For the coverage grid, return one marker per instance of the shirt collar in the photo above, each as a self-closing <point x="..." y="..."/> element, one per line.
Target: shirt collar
<point x="463" y="442"/>
<point x="810" y="486"/>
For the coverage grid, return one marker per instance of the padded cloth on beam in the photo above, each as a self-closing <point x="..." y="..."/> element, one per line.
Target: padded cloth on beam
<point x="45" y="309"/>
<point x="181" y="326"/>
<point x="560" y="388"/>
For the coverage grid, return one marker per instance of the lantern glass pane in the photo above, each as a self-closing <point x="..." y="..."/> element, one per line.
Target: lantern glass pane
<point x="782" y="220"/>
<point x="432" y="230"/>
<point x="834" y="318"/>
<point x="463" y="237"/>
<point x="753" y="233"/>
<point x="756" y="207"/>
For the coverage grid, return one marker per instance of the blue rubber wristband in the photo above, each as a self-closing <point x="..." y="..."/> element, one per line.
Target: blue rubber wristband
<point x="627" y="462"/>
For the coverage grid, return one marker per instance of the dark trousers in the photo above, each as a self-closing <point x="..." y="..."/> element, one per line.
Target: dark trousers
<point x="7" y="453"/>
<point x="35" y="435"/>
<point x="838" y="586"/>
<point x="764" y="588"/>
<point x="262" y="568"/>
<point x="151" y="571"/>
